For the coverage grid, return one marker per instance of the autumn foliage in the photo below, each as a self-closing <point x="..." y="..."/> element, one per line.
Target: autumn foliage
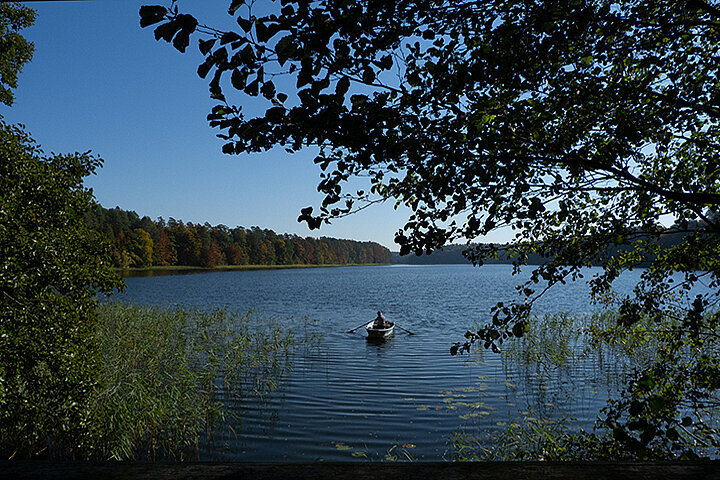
<point x="142" y="242"/>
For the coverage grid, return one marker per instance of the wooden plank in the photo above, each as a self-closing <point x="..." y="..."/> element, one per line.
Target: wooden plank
<point x="709" y="470"/>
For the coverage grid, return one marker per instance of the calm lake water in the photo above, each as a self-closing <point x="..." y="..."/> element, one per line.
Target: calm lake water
<point x="348" y="399"/>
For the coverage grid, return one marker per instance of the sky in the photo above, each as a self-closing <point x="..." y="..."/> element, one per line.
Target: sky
<point x="99" y="82"/>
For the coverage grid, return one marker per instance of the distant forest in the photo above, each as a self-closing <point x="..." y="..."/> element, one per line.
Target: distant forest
<point x="143" y="242"/>
<point x="453" y="253"/>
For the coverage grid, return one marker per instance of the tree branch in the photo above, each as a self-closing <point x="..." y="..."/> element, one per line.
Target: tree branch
<point x="704" y="6"/>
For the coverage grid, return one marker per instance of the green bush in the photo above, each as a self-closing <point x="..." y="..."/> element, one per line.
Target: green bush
<point x="51" y="269"/>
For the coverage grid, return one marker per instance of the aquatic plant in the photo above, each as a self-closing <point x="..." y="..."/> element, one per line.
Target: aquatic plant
<point x="552" y="342"/>
<point x="400" y="453"/>
<point x="532" y="439"/>
<point x="166" y="376"/>
<point x="666" y="403"/>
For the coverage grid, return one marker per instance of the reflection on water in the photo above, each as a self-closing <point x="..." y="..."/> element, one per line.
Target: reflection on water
<point x="162" y="272"/>
<point x="379" y="341"/>
<point x="349" y="397"/>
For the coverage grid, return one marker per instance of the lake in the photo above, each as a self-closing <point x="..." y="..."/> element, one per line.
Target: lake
<point x="347" y="399"/>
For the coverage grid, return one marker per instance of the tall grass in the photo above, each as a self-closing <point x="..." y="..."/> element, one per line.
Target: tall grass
<point x="165" y="376"/>
<point x="532" y="439"/>
<point x="554" y="341"/>
<point x="562" y="340"/>
<point x="563" y="348"/>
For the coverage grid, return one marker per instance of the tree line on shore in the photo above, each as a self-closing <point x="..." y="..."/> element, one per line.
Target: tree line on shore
<point x="455" y="253"/>
<point x="142" y="242"/>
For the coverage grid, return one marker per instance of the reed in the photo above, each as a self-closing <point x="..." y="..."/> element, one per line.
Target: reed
<point x="166" y="375"/>
<point x="561" y="340"/>
<point x="531" y="439"/>
<point x="652" y="353"/>
<point x="554" y="341"/>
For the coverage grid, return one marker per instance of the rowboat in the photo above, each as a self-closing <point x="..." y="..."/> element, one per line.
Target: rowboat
<point x="379" y="332"/>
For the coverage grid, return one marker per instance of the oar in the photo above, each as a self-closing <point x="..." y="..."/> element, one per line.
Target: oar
<point x="350" y="331"/>
<point x="401" y="328"/>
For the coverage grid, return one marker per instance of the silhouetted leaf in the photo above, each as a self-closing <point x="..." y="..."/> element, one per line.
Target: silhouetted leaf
<point x="245" y="24"/>
<point x="235" y="5"/>
<point x="205" y="67"/>
<point x="252" y="88"/>
<point x="181" y="40"/>
<point x="206" y="45"/>
<point x="150" y="15"/>
<point x="229" y="37"/>
<point x="285" y="48"/>
<point x="238" y="79"/>
<point x="167" y="31"/>
<point x="342" y="86"/>
<point x="268" y="90"/>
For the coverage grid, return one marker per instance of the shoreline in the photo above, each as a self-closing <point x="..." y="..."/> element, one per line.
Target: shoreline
<point x="181" y="269"/>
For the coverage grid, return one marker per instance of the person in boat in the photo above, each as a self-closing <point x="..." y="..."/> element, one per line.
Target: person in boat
<point x="381" y="321"/>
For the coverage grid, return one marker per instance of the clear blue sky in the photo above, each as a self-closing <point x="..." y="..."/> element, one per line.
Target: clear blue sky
<point x="99" y="82"/>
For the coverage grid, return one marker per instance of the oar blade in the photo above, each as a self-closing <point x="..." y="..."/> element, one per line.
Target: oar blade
<point x="404" y="329"/>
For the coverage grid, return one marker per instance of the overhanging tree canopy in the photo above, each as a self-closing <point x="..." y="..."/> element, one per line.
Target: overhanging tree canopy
<point x="578" y="124"/>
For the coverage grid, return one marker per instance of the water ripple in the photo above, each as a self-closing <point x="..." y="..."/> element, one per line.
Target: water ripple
<point x="347" y="398"/>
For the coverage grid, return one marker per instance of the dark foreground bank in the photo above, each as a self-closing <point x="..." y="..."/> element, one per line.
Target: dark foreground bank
<point x="366" y="471"/>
